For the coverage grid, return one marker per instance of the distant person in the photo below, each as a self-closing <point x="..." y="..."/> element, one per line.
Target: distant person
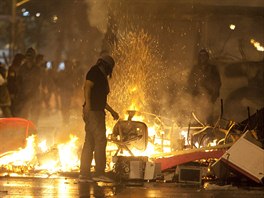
<point x="51" y="86"/>
<point x="46" y="94"/>
<point x="204" y="85"/>
<point x="5" y="100"/>
<point x="29" y="76"/>
<point x="78" y="76"/>
<point x="12" y="80"/>
<point x="39" y="95"/>
<point x="96" y="89"/>
<point x="66" y="84"/>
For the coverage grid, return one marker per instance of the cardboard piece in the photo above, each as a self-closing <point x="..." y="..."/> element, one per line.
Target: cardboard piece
<point x="247" y="157"/>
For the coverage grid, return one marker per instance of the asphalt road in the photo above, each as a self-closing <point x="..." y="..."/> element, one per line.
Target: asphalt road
<point x="70" y="187"/>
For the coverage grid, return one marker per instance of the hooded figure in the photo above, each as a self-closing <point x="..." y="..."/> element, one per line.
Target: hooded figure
<point x="96" y="89"/>
<point x="204" y="85"/>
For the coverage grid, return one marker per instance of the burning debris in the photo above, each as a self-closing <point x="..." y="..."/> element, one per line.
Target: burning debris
<point x="143" y="148"/>
<point x="39" y="159"/>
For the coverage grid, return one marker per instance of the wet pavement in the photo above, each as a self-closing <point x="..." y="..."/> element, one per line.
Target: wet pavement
<point x="70" y="187"/>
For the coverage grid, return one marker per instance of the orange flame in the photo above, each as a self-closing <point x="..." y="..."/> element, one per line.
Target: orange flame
<point x="22" y="156"/>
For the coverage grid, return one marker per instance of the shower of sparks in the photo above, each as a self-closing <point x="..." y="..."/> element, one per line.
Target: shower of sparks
<point x="138" y="72"/>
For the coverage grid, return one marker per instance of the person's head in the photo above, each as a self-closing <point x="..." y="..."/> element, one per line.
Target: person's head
<point x="18" y="59"/>
<point x="203" y="56"/>
<point x="30" y="54"/>
<point x="108" y="63"/>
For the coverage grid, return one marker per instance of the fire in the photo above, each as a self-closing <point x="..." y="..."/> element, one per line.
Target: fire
<point x="133" y="106"/>
<point x="184" y="135"/>
<point x="213" y="143"/>
<point x="21" y="157"/>
<point x="157" y="141"/>
<point x="151" y="131"/>
<point x="62" y="157"/>
<point x="43" y="146"/>
<point x="68" y="154"/>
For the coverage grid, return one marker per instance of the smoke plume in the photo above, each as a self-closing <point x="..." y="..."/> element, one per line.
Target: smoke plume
<point x="98" y="14"/>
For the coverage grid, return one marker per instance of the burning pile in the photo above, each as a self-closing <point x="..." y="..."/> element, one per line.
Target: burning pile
<point x="158" y="139"/>
<point x="41" y="159"/>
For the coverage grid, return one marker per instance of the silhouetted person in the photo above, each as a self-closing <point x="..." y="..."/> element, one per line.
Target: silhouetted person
<point x="29" y="76"/>
<point x="66" y="90"/>
<point x="204" y="85"/>
<point x="5" y="101"/>
<point x="96" y="89"/>
<point x="12" y="80"/>
<point x="51" y="86"/>
<point x="39" y="95"/>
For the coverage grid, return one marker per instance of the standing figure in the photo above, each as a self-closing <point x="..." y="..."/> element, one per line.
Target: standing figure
<point x="39" y="95"/>
<point x="12" y="81"/>
<point x="51" y="85"/>
<point x="29" y="76"/>
<point x="204" y="84"/>
<point x="5" y="101"/>
<point x="66" y="90"/>
<point x="96" y="89"/>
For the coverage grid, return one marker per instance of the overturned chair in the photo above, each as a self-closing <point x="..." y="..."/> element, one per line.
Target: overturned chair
<point x="129" y="134"/>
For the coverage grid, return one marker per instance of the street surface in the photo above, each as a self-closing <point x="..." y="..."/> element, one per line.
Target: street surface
<point x="70" y="187"/>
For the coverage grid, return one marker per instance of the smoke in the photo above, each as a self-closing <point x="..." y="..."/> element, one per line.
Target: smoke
<point x="98" y="14"/>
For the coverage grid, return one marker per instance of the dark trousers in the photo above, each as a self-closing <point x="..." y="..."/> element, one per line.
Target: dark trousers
<point x="95" y="143"/>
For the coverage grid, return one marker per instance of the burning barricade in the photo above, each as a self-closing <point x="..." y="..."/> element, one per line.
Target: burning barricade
<point x="143" y="148"/>
<point x="22" y="152"/>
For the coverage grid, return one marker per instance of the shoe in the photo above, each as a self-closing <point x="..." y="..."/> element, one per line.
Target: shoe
<point x="102" y="178"/>
<point x="83" y="178"/>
